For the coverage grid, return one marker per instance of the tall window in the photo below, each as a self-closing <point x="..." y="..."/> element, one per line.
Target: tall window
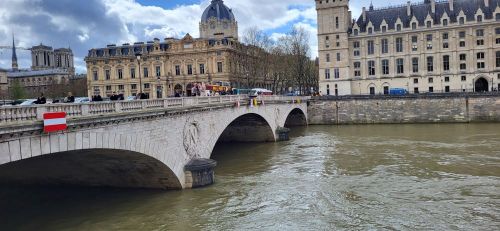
<point x="202" y="68"/>
<point x="120" y="74"/>
<point x="385" y="66"/>
<point x="357" y="69"/>
<point x="371" y="47"/>
<point x="327" y="58"/>
<point x="414" y="64"/>
<point x="446" y="62"/>
<point x="385" y="46"/>
<point x="480" y="60"/>
<point x="108" y="75"/>
<point x="132" y="73"/>
<point x="498" y="59"/>
<point x="414" y="26"/>
<point x="158" y="71"/>
<point x="400" y="66"/>
<point x="414" y="41"/>
<point x="430" y="64"/>
<point x="219" y="67"/>
<point x="337" y="22"/>
<point x="96" y="76"/>
<point x="177" y="70"/>
<point x="327" y="73"/>
<point x="190" y="69"/>
<point x="356" y="48"/>
<point x="336" y="73"/>
<point x="338" y="57"/>
<point x="146" y="73"/>
<point x="371" y="67"/>
<point x="399" y="44"/>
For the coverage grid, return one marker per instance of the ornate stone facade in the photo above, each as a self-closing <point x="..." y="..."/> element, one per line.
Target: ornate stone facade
<point x="172" y="65"/>
<point x="444" y="46"/>
<point x="50" y="70"/>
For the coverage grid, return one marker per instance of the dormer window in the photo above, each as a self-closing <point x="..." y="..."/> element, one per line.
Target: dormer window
<point x="479" y="18"/>
<point x="414" y="26"/>
<point x="428" y="24"/>
<point x="445" y="22"/>
<point x="497" y="17"/>
<point x="461" y="21"/>
<point x="384" y="29"/>
<point x="398" y="27"/>
<point x="356" y="32"/>
<point x="370" y="30"/>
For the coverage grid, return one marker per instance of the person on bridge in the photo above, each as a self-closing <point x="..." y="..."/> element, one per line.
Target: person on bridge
<point x="41" y="99"/>
<point x="70" y="98"/>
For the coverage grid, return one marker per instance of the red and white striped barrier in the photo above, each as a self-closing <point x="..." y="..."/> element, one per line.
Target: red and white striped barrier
<point x="54" y="121"/>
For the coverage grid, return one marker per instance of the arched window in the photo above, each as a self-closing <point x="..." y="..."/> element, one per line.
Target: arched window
<point x="384" y="29"/>
<point x="356" y="32"/>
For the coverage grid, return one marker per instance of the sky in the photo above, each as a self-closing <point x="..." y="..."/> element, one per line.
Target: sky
<point x="86" y="24"/>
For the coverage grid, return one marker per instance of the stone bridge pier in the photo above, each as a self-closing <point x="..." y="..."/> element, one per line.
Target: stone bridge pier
<point x="144" y="148"/>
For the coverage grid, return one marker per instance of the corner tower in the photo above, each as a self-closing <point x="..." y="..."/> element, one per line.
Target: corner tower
<point x="218" y="21"/>
<point x="334" y="24"/>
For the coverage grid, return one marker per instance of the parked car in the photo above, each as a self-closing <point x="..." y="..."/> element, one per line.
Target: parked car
<point x="28" y="102"/>
<point x="130" y="98"/>
<point x="82" y="100"/>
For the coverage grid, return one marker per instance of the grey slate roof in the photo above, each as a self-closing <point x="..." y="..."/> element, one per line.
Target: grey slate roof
<point x="30" y="73"/>
<point x="218" y="10"/>
<point x="420" y="11"/>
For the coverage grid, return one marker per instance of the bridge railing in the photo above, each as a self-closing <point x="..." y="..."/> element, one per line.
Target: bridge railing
<point x="35" y="113"/>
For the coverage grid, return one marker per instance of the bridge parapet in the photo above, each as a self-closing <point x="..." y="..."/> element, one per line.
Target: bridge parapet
<point x="74" y="110"/>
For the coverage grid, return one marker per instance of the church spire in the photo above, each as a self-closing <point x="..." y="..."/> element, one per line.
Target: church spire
<point x="14" y="55"/>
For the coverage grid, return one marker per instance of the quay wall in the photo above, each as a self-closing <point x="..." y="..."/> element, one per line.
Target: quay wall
<point x="429" y="108"/>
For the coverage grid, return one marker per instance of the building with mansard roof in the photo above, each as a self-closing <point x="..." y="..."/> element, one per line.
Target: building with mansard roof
<point x="161" y="68"/>
<point x="431" y="46"/>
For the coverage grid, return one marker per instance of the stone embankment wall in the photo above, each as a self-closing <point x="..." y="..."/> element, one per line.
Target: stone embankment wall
<point x="435" y="108"/>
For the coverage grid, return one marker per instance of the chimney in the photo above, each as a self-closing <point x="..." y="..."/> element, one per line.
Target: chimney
<point x="408" y="8"/>
<point x="433" y="6"/>
<point x="487" y="3"/>
<point x="451" y="5"/>
<point x="364" y="14"/>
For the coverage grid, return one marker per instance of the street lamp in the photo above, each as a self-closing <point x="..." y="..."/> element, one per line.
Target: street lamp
<point x="138" y="56"/>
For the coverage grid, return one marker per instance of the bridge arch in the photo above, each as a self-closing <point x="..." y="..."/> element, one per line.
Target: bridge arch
<point x="296" y="117"/>
<point x="249" y="127"/>
<point x="92" y="167"/>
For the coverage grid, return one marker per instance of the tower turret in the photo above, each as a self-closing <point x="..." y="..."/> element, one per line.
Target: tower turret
<point x="218" y="21"/>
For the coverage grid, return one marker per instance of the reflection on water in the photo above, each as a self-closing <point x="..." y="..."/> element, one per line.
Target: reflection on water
<point x="401" y="177"/>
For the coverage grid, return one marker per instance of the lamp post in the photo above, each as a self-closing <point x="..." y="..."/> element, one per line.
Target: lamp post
<point x="138" y="56"/>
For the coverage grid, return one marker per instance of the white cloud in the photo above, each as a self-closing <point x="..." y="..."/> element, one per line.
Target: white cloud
<point x="95" y="23"/>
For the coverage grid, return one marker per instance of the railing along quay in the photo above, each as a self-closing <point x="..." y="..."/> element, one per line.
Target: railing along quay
<point x="74" y="110"/>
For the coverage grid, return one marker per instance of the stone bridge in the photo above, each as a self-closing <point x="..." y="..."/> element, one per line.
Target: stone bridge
<point x="138" y="144"/>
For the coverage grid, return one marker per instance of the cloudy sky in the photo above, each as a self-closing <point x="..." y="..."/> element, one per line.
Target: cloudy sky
<point x="86" y="24"/>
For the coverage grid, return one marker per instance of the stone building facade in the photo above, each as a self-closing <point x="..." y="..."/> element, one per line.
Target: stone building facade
<point x="50" y="70"/>
<point x="163" y="68"/>
<point x="443" y="46"/>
